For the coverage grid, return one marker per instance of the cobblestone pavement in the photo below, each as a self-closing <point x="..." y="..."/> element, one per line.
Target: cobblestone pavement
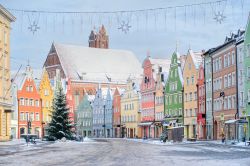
<point x="119" y="152"/>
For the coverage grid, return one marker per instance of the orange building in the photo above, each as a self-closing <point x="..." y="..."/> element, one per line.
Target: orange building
<point x="29" y="106"/>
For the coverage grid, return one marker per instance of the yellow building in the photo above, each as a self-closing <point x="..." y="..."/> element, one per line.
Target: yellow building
<point x="190" y="75"/>
<point x="5" y="84"/>
<point x="46" y="94"/>
<point x="130" y="111"/>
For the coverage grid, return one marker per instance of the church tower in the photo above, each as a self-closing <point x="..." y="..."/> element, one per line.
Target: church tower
<point x="100" y="39"/>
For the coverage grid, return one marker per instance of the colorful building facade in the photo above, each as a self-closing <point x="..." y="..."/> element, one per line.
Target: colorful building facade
<point x="201" y="114"/>
<point x="174" y="93"/>
<point x="224" y="89"/>
<point x="46" y="94"/>
<point x="130" y="111"/>
<point x="117" y="113"/>
<point x="208" y="93"/>
<point x="247" y="74"/>
<point x="29" y="106"/>
<point x="5" y="100"/>
<point x="148" y="94"/>
<point x="190" y="75"/>
<point x="84" y="119"/>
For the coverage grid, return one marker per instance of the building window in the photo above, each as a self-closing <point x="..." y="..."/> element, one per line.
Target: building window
<point x="190" y="112"/>
<point x="229" y="102"/>
<point x="229" y="80"/>
<point x="187" y="81"/>
<point x="220" y="63"/>
<point x="229" y="59"/>
<point x="31" y="116"/>
<point x="21" y="101"/>
<point x="225" y="103"/>
<point x="31" y="102"/>
<point x="189" y="66"/>
<point x="233" y="58"/>
<point x="37" y="103"/>
<point x="225" y="81"/>
<point x="195" y="95"/>
<point x="27" y="102"/>
<point x="248" y="72"/>
<point x="192" y="80"/>
<point x="37" y="117"/>
<point x="248" y="95"/>
<point x="21" y="116"/>
<point x="46" y="92"/>
<point x="27" y="88"/>
<point x="31" y="88"/>
<point x="233" y="78"/>
<point x="225" y="60"/>
<point x="190" y="96"/>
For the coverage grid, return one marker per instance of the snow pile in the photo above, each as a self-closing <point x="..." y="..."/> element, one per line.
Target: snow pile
<point x="149" y="141"/>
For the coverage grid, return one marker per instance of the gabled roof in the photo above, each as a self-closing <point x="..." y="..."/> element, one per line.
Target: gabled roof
<point x="196" y="56"/>
<point x="20" y="77"/>
<point x="97" y="65"/>
<point x="157" y="63"/>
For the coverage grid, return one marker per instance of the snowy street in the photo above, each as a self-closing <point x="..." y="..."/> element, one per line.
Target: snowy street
<point x="122" y="152"/>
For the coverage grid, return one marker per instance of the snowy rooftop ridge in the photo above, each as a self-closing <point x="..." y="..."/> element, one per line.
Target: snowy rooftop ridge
<point x="80" y="62"/>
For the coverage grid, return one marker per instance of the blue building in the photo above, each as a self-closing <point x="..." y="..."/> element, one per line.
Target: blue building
<point x="108" y="114"/>
<point x="98" y="116"/>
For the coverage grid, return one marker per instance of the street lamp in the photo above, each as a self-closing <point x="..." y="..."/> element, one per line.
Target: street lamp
<point x="104" y="121"/>
<point x="154" y="113"/>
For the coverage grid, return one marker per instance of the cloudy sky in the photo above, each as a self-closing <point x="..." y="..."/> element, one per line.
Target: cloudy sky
<point x="156" y="32"/>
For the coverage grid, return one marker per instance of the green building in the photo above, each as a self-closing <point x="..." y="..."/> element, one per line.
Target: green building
<point x="247" y="73"/>
<point x="84" y="117"/>
<point x="174" y="93"/>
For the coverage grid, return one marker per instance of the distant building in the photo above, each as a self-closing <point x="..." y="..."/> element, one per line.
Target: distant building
<point x="99" y="39"/>
<point x="130" y="110"/>
<point x="148" y="91"/>
<point x="46" y="94"/>
<point x="174" y="93"/>
<point x="83" y="68"/>
<point x="84" y="118"/>
<point x="117" y="112"/>
<point x="247" y="74"/>
<point x="98" y="113"/>
<point x="201" y="114"/>
<point x="5" y="100"/>
<point x="29" y="104"/>
<point x="108" y="114"/>
<point x="190" y="75"/>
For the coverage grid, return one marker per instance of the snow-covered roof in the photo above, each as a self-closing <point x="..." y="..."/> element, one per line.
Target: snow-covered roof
<point x="157" y="63"/>
<point x="97" y="65"/>
<point x="19" y="77"/>
<point x="196" y="56"/>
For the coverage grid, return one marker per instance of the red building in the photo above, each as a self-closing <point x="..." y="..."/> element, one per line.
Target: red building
<point x="201" y="114"/>
<point x="148" y="95"/>
<point x="29" y="106"/>
<point x="117" y="113"/>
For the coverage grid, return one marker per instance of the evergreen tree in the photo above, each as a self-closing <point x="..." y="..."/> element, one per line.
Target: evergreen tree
<point x="60" y="125"/>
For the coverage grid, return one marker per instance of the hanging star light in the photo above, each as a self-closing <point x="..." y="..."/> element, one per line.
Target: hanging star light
<point x="125" y="26"/>
<point x="33" y="27"/>
<point x="219" y="17"/>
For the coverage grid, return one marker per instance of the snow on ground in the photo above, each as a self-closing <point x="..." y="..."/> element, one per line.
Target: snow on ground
<point x="13" y="142"/>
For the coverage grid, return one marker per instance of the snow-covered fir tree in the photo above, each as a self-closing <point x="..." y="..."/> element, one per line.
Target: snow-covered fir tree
<point x="60" y="125"/>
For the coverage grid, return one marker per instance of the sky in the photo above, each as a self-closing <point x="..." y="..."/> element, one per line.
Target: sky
<point x="158" y="33"/>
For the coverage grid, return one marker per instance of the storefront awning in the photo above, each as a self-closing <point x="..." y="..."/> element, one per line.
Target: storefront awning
<point x="236" y="121"/>
<point x="230" y="121"/>
<point x="145" y="124"/>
